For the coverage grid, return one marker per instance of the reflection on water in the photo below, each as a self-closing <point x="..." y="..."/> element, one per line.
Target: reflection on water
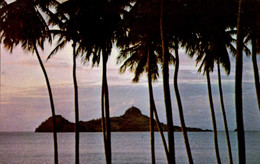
<point x="30" y="148"/>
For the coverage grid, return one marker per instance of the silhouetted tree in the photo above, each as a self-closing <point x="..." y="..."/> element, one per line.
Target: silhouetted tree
<point x="139" y="51"/>
<point x="22" y="23"/>
<point x="179" y="30"/>
<point x="166" y="87"/>
<point x="250" y="25"/>
<point x="65" y="18"/>
<point x="142" y="58"/>
<point x="238" y="86"/>
<point x="97" y="37"/>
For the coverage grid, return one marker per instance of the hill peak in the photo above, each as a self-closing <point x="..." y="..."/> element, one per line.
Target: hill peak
<point x="133" y="111"/>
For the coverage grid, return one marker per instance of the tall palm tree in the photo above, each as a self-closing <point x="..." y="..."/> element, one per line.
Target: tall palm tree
<point x="178" y="29"/>
<point x="141" y="60"/>
<point x="22" y="23"/>
<point x="207" y="62"/>
<point x="238" y="86"/>
<point x="179" y="103"/>
<point x="65" y="18"/>
<point x="256" y="73"/>
<point x="213" y="118"/>
<point x="166" y="87"/>
<point x="214" y="37"/>
<point x="76" y="102"/>
<point x="140" y="44"/>
<point x="222" y="41"/>
<point x="221" y="56"/>
<point x="251" y="22"/>
<point x="224" y="115"/>
<point x="97" y="37"/>
<point x="205" y="55"/>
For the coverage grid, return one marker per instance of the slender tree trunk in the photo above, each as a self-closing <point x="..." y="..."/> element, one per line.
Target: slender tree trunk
<point x="107" y="115"/>
<point x="76" y="106"/>
<point x="257" y="6"/>
<point x="224" y="115"/>
<point x="238" y="89"/>
<point x="152" y="106"/>
<point x="103" y="123"/>
<point x="0" y="73"/>
<point x="154" y="111"/>
<point x="166" y="89"/>
<point x="255" y="68"/>
<point x="178" y="98"/>
<point x="52" y="106"/>
<point x="161" y="134"/>
<point x="214" y="124"/>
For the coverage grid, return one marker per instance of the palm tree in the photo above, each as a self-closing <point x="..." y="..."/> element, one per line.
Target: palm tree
<point x="213" y="117"/>
<point x="140" y="58"/>
<point x="76" y="101"/>
<point x="140" y="61"/>
<point x="205" y="55"/>
<point x="178" y="28"/>
<point x="224" y="115"/>
<point x="221" y="56"/>
<point x="166" y="87"/>
<point x="222" y="41"/>
<point x="214" y="38"/>
<point x="251" y="23"/>
<point x="256" y="73"/>
<point x="178" y="98"/>
<point x="22" y="23"/>
<point x="66" y="20"/>
<point x="97" y="37"/>
<point x="207" y="63"/>
<point x="140" y="45"/>
<point x="238" y="86"/>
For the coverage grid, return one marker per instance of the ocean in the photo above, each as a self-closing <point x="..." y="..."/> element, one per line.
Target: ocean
<point x="127" y="148"/>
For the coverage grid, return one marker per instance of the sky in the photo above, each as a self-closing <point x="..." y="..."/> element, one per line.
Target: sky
<point x="25" y="102"/>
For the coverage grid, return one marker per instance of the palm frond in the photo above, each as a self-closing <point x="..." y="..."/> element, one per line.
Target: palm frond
<point x="60" y="46"/>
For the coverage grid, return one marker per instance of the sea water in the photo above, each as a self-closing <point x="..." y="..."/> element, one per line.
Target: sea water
<point x="127" y="147"/>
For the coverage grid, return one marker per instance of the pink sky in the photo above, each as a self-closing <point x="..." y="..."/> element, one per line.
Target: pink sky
<point x="25" y="104"/>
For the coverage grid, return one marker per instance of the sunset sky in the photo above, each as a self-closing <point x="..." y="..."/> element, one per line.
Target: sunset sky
<point x="25" y="101"/>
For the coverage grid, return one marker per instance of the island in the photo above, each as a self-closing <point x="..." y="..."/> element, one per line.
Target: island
<point x="131" y="121"/>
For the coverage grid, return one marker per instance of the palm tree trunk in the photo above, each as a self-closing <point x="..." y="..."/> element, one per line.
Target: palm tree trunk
<point x="224" y="115"/>
<point x="103" y="123"/>
<point x="161" y="134"/>
<point x="152" y="105"/>
<point x="178" y="98"/>
<point x="238" y="90"/>
<point x="213" y="118"/>
<point x="107" y="115"/>
<point x="255" y="68"/>
<point x="76" y="106"/>
<point x="166" y="89"/>
<point x="52" y="106"/>
<point x="154" y="111"/>
<point x="0" y="72"/>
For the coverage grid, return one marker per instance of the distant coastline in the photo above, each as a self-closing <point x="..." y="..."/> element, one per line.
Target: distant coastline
<point x="131" y="121"/>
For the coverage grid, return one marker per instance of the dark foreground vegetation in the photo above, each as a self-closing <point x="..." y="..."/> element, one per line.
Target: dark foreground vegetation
<point x="149" y="34"/>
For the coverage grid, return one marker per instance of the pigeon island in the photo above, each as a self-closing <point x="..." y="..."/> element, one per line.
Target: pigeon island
<point x="131" y="121"/>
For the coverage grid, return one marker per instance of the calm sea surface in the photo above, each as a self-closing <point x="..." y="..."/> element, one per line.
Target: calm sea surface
<point x="133" y="147"/>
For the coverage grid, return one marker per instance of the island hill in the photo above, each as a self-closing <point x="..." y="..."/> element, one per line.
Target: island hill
<point x="132" y="121"/>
